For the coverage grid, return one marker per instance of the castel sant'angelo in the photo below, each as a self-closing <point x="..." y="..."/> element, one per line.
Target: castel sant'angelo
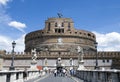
<point x="59" y="39"/>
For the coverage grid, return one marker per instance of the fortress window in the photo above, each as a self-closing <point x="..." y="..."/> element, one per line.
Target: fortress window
<point x="49" y="25"/>
<point x="42" y="32"/>
<point x="58" y="30"/>
<point x="68" y="25"/>
<point x="56" y="25"/>
<point x="89" y="34"/>
<point x="62" y="24"/>
<point x="75" y="32"/>
<point x="62" y="30"/>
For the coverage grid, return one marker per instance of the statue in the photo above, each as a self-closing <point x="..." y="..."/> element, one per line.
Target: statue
<point x="60" y="40"/>
<point x="59" y="62"/>
<point x="80" y="58"/>
<point x="80" y="53"/>
<point x="34" y="55"/>
<point x="59" y="15"/>
<point x="33" y="62"/>
<point x="71" y="62"/>
<point x="46" y="62"/>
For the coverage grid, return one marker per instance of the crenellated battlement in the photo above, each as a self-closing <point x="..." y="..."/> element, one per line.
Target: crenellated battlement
<point x="64" y="55"/>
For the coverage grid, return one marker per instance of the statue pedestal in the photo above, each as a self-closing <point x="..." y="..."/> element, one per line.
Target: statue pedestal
<point x="33" y="65"/>
<point x="81" y="65"/>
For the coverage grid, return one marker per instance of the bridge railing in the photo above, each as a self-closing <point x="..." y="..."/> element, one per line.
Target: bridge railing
<point x="18" y="75"/>
<point x="99" y="75"/>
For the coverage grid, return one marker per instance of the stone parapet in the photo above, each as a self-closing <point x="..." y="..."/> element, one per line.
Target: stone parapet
<point x="64" y="55"/>
<point x="18" y="75"/>
<point x="99" y="75"/>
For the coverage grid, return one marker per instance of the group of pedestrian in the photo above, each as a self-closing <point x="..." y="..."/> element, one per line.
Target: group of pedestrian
<point x="61" y="72"/>
<point x="72" y="72"/>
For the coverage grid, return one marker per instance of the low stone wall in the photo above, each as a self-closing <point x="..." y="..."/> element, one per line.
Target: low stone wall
<point x="99" y="75"/>
<point x="18" y="76"/>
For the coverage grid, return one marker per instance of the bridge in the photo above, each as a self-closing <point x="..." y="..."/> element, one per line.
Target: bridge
<point x="79" y="76"/>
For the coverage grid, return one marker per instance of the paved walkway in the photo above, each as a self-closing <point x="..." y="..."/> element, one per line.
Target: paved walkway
<point x="51" y="78"/>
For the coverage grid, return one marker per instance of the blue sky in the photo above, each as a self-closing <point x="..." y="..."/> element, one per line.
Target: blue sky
<point x="19" y="17"/>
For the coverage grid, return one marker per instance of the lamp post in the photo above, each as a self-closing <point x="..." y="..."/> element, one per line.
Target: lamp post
<point x="96" y="66"/>
<point x="12" y="63"/>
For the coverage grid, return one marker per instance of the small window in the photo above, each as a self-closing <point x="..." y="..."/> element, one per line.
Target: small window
<point x="62" y="30"/>
<point x="107" y="60"/>
<point x="68" y="25"/>
<point x="49" y="25"/>
<point x="59" y="31"/>
<point x="89" y="34"/>
<point x="56" y="25"/>
<point x="56" y="30"/>
<point x="62" y="24"/>
<point x="42" y="32"/>
<point x="80" y="33"/>
<point x="75" y="32"/>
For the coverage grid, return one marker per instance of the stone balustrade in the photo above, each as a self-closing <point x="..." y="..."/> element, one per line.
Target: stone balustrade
<point x="17" y="75"/>
<point x="99" y="75"/>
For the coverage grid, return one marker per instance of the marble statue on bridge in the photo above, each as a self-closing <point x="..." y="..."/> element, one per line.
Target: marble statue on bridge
<point x="80" y="58"/>
<point x="34" y="61"/>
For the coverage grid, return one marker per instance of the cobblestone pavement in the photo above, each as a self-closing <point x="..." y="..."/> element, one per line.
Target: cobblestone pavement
<point x="51" y="78"/>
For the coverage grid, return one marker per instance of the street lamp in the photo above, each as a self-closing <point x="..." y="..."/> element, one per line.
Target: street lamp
<point x="12" y="63"/>
<point x="96" y="66"/>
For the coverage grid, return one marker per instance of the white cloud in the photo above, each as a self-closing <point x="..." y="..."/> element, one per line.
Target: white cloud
<point x="17" y="25"/>
<point x="6" y="43"/>
<point x="108" y="41"/>
<point x="4" y="2"/>
<point x="6" y="20"/>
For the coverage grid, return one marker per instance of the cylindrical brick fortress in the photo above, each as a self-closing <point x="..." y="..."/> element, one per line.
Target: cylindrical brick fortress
<point x="59" y="35"/>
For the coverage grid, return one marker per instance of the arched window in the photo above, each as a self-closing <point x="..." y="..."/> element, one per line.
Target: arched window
<point x="56" y="25"/>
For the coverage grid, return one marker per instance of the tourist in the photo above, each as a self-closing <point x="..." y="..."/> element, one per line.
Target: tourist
<point x="25" y="74"/>
<point x="55" y="72"/>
